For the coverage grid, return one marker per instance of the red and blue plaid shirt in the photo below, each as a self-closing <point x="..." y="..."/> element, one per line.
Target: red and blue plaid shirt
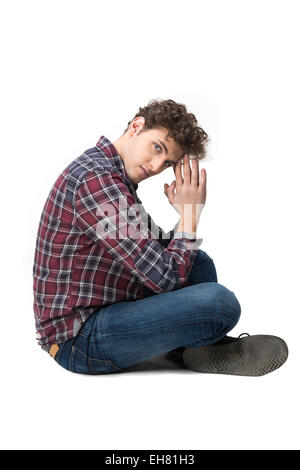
<point x="79" y="268"/>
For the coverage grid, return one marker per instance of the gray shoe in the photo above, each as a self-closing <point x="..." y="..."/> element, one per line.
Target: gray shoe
<point x="251" y="356"/>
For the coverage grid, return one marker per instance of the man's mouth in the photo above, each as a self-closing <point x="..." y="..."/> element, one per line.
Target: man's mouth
<point x="145" y="172"/>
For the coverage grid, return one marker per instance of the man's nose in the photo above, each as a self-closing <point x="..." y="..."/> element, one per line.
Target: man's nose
<point x="156" y="165"/>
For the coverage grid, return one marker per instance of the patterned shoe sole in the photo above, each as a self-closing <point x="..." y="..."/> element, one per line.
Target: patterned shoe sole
<point x="251" y="356"/>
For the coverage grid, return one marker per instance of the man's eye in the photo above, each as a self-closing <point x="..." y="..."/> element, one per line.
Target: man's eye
<point x="169" y="164"/>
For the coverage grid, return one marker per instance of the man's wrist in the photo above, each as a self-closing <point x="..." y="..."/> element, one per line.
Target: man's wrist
<point x="189" y="216"/>
<point x="188" y="224"/>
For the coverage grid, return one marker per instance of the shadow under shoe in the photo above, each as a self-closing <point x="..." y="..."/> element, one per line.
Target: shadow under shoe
<point x="249" y="356"/>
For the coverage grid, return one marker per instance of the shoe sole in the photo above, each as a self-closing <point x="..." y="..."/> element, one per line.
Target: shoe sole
<point x="250" y="356"/>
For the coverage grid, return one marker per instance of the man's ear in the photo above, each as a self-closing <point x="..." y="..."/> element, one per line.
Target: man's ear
<point x="137" y="125"/>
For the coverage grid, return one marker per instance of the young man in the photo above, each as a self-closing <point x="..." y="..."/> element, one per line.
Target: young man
<point x="111" y="288"/>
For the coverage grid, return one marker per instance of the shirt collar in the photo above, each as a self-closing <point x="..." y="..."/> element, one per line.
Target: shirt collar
<point x="110" y="150"/>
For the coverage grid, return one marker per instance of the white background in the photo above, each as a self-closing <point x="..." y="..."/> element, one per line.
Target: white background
<point x="72" y="71"/>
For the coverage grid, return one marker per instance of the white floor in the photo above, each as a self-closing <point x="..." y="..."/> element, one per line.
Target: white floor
<point x="154" y="405"/>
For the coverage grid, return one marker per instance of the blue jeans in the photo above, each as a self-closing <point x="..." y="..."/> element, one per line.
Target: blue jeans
<point x="123" y="334"/>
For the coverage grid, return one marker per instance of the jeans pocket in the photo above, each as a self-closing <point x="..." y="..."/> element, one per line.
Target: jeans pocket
<point x="63" y="349"/>
<point x="81" y="363"/>
<point x="78" y="361"/>
<point x="102" y="366"/>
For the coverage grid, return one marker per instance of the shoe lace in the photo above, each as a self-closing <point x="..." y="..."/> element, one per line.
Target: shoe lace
<point x="243" y="334"/>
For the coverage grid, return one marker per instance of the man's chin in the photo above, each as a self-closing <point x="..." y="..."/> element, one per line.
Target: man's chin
<point x="134" y="180"/>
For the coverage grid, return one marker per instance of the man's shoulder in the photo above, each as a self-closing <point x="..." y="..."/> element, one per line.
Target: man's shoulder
<point x="91" y="164"/>
<point x="91" y="160"/>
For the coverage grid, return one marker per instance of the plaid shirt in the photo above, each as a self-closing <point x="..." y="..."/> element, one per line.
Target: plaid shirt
<point x="79" y="268"/>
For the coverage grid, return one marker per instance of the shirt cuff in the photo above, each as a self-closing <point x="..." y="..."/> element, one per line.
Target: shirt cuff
<point x="195" y="242"/>
<point x="187" y="235"/>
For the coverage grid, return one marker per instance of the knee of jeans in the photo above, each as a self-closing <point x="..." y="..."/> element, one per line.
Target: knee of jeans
<point x="203" y="269"/>
<point x="201" y="256"/>
<point x="227" y="305"/>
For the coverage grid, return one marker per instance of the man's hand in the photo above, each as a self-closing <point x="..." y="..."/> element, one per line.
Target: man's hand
<point x="189" y="189"/>
<point x="169" y="191"/>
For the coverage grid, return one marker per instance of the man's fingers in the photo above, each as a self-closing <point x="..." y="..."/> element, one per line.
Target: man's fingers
<point x="203" y="178"/>
<point x="202" y="186"/>
<point x="177" y="172"/>
<point x="168" y="188"/>
<point x="186" y="169"/>
<point x="195" y="173"/>
<point x="169" y="191"/>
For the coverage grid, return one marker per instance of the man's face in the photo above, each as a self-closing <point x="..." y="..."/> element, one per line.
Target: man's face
<point x="149" y="153"/>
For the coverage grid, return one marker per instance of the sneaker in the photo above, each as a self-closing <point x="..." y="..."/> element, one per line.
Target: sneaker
<point x="250" y="356"/>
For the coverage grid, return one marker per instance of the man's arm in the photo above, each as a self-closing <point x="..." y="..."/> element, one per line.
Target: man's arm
<point x="105" y="201"/>
<point x="163" y="237"/>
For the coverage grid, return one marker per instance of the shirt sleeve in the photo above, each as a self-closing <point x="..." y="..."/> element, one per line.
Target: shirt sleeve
<point x="163" y="237"/>
<point x="108" y="213"/>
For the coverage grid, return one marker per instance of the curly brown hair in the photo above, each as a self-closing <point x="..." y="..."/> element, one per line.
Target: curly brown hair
<point x="181" y="125"/>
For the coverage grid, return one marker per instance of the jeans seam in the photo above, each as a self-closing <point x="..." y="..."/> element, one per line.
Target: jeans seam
<point x="71" y="359"/>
